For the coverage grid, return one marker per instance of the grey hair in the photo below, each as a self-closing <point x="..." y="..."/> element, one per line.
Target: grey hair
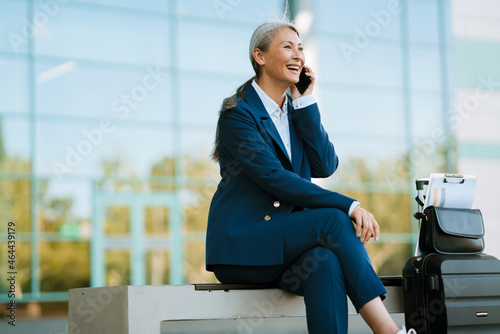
<point x="262" y="37"/>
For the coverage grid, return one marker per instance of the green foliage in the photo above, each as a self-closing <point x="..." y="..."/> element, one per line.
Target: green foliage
<point x="66" y="264"/>
<point x="390" y="203"/>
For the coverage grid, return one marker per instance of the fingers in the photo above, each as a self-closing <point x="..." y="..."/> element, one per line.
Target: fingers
<point x="309" y="72"/>
<point x="367" y="231"/>
<point x="359" y="225"/>
<point x="295" y="92"/>
<point x="366" y="225"/>
<point x="376" y="233"/>
<point x="312" y="75"/>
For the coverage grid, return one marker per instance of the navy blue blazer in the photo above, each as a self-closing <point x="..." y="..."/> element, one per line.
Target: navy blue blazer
<point x="260" y="186"/>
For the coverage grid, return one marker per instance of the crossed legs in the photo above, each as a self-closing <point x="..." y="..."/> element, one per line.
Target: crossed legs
<point x="323" y="261"/>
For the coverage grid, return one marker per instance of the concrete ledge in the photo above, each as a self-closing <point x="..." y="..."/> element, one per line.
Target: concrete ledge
<point x="141" y="309"/>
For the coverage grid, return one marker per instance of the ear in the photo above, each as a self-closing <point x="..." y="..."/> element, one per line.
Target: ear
<point x="258" y="55"/>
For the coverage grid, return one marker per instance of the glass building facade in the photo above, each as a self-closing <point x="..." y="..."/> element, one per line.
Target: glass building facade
<point x="108" y="112"/>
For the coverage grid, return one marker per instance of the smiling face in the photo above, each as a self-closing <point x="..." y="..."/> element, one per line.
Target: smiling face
<point x="284" y="59"/>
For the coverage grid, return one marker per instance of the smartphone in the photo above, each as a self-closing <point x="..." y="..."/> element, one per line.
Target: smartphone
<point x="304" y="81"/>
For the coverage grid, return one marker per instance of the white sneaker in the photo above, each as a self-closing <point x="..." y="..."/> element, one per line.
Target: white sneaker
<point x="403" y="331"/>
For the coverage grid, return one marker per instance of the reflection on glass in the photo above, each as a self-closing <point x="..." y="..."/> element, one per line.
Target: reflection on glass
<point x="156" y="6"/>
<point x="16" y="28"/>
<point x="362" y="112"/>
<point x="23" y="266"/>
<point x="58" y="259"/>
<point x="14" y="144"/>
<point x="378" y="64"/>
<point x="72" y="88"/>
<point x="117" y="267"/>
<point x="157" y="267"/>
<point x="224" y="11"/>
<point x="423" y="21"/>
<point x="209" y="90"/>
<point x="93" y="149"/>
<point x="359" y="21"/>
<point x="13" y="85"/>
<point x="156" y="220"/>
<point x="224" y="50"/>
<point x="425" y="68"/>
<point x="134" y="39"/>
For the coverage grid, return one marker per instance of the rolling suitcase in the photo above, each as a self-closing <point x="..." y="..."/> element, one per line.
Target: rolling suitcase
<point x="448" y="294"/>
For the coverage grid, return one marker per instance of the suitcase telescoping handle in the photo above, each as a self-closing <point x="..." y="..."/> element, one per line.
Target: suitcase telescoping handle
<point x="420" y="183"/>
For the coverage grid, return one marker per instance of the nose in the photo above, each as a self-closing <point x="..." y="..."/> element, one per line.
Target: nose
<point x="299" y="55"/>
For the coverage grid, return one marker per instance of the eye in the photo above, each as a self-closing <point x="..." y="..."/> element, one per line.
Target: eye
<point x="288" y="47"/>
<point x="301" y="48"/>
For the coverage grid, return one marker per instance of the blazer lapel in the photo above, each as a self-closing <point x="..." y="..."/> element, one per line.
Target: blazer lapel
<point x="295" y="140"/>
<point x="258" y="108"/>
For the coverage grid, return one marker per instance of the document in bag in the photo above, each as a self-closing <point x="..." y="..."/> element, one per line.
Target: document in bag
<point x="451" y="191"/>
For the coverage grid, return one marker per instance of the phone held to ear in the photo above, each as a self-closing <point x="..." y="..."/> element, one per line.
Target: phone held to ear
<point x="304" y="81"/>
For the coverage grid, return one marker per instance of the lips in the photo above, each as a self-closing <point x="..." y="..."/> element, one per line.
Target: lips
<point x="293" y="68"/>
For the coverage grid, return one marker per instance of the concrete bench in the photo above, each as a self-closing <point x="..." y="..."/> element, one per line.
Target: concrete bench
<point x="178" y="308"/>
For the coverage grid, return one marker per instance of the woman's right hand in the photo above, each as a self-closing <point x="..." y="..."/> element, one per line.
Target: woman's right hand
<point x="366" y="225"/>
<point x="295" y="92"/>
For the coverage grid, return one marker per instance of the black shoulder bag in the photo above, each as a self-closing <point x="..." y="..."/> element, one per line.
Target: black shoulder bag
<point x="451" y="231"/>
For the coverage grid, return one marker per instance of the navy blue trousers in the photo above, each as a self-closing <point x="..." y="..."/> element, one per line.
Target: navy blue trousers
<point x="323" y="261"/>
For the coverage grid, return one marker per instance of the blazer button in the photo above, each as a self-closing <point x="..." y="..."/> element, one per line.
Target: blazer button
<point x="267" y="218"/>
<point x="276" y="204"/>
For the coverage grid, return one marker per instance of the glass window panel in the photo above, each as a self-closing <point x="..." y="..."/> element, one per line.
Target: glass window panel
<point x="15" y="144"/>
<point x="372" y="159"/>
<point x="214" y="48"/>
<point x="197" y="205"/>
<point x="200" y="166"/>
<point x="57" y="259"/>
<point x="160" y="6"/>
<point x="23" y="268"/>
<point x="198" y="142"/>
<point x="117" y="267"/>
<point x="117" y="220"/>
<point x="72" y="88"/>
<point x="70" y="149"/>
<point x="363" y="112"/>
<point x="391" y="209"/>
<point x="65" y="207"/>
<point x="195" y="264"/>
<point x="374" y="19"/>
<point x="425" y="67"/>
<point x="427" y="156"/>
<point x="14" y="85"/>
<point x="427" y="115"/>
<point x="423" y="21"/>
<point x="157" y="267"/>
<point x="157" y="218"/>
<point x="209" y="93"/>
<point x="377" y="64"/>
<point x="15" y="203"/>
<point x="118" y="37"/>
<point x="389" y="258"/>
<point x="241" y="11"/>
<point x="446" y="22"/>
<point x="14" y="26"/>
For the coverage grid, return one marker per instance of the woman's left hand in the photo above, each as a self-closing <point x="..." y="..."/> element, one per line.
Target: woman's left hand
<point x="295" y="92"/>
<point x="366" y="225"/>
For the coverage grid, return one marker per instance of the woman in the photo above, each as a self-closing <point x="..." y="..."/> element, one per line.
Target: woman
<point x="267" y="221"/>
